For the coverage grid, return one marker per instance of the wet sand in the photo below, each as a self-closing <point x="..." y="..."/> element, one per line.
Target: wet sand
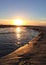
<point x="34" y="52"/>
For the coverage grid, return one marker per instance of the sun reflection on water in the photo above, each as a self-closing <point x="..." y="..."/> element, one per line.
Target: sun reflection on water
<point x="18" y="34"/>
<point x="18" y="30"/>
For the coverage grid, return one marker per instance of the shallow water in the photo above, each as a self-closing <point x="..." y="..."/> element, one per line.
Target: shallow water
<point x="14" y="37"/>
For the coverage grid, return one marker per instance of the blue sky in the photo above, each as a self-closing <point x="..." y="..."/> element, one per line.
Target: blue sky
<point x="31" y="9"/>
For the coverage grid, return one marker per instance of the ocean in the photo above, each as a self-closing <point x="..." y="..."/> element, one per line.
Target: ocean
<point x="12" y="38"/>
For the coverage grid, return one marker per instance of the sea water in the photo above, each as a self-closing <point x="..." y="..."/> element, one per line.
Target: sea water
<point x="12" y="38"/>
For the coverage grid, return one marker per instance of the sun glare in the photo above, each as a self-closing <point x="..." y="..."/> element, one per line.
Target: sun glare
<point x="18" y="22"/>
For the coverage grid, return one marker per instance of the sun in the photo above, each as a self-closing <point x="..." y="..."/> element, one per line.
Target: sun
<point x="18" y="22"/>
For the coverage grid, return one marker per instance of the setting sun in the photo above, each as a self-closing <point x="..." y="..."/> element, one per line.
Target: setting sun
<point x="18" y="22"/>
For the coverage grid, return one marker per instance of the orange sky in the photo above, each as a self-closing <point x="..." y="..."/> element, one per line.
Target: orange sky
<point x="31" y="22"/>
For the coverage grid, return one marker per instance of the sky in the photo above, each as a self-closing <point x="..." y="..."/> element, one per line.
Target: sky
<point x="29" y="10"/>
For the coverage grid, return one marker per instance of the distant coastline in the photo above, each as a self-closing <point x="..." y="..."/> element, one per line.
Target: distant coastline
<point x="5" y="26"/>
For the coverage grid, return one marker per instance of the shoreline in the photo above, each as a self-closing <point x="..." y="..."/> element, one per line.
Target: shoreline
<point x="17" y="54"/>
<point x="37" y="53"/>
